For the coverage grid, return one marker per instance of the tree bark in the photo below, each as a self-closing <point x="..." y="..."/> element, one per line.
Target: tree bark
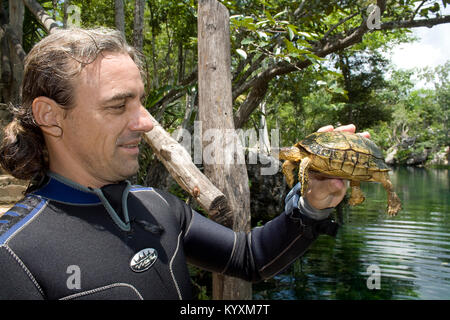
<point x="229" y="174"/>
<point x="119" y="16"/>
<point x="138" y="28"/>
<point x="16" y="14"/>
<point x="5" y="66"/>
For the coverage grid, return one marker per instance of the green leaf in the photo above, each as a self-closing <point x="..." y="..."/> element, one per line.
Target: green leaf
<point x="261" y="23"/>
<point x="263" y="35"/>
<point x="247" y="41"/>
<point x="242" y="53"/>
<point x="279" y="14"/>
<point x="305" y="34"/>
<point x="269" y="16"/>
<point x="291" y="33"/>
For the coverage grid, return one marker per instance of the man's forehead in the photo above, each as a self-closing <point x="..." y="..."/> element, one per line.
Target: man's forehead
<point x="111" y="71"/>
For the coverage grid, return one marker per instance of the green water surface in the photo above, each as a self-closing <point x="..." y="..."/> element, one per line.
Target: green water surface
<point x="411" y="251"/>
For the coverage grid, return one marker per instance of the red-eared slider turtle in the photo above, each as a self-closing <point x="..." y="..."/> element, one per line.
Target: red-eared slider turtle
<point x="341" y="155"/>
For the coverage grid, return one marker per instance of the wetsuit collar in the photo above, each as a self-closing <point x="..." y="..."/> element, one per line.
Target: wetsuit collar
<point x="61" y="189"/>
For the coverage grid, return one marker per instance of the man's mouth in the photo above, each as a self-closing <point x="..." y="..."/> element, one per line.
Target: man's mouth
<point x="132" y="146"/>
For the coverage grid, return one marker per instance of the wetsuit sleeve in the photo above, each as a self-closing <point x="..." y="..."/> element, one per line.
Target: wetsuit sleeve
<point x="253" y="256"/>
<point x="16" y="282"/>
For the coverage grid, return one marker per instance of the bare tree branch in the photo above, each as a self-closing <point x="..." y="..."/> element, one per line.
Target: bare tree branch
<point x="239" y="88"/>
<point x="415" y="23"/>
<point x="41" y="15"/>
<point x="339" y="23"/>
<point x="417" y="10"/>
<point x="15" y="42"/>
<point x="192" y="78"/>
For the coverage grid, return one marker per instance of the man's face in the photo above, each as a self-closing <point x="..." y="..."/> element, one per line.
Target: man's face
<point x="102" y="132"/>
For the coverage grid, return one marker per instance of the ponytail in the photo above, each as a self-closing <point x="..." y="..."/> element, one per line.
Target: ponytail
<point x="22" y="151"/>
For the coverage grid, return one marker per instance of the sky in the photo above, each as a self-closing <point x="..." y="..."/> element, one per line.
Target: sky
<point x="430" y="50"/>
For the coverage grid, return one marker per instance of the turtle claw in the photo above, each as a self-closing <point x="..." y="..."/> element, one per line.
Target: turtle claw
<point x="394" y="204"/>
<point x="357" y="196"/>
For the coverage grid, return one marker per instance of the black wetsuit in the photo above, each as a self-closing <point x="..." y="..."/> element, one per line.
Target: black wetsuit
<point x="65" y="241"/>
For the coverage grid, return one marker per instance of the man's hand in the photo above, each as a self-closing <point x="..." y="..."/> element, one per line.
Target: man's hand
<point x="325" y="192"/>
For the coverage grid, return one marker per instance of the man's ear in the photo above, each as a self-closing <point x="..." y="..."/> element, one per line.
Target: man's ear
<point x="47" y="114"/>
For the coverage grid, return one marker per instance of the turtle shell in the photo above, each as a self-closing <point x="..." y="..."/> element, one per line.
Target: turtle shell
<point x="345" y="147"/>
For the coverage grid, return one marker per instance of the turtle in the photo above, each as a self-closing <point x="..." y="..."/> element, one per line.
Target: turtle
<point x="339" y="154"/>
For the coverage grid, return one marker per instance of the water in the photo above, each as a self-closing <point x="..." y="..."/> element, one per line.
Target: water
<point x="411" y="250"/>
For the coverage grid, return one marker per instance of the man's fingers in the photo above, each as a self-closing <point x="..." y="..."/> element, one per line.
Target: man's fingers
<point x="326" y="128"/>
<point x="365" y="134"/>
<point x="348" y="128"/>
<point x="335" y="185"/>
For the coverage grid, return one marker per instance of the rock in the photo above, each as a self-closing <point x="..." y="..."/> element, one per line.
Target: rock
<point x="417" y="158"/>
<point x="11" y="189"/>
<point x="267" y="188"/>
<point x="441" y="158"/>
<point x="407" y="142"/>
<point x="390" y="157"/>
<point x="4" y="208"/>
<point x="11" y="193"/>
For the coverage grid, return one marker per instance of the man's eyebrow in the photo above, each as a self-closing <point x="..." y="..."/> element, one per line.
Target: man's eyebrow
<point x="121" y="96"/>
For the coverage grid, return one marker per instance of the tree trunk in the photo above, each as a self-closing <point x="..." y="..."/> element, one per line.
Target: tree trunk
<point x="119" y="16"/>
<point x="224" y="167"/>
<point x="16" y="14"/>
<point x="138" y="27"/>
<point x="5" y="66"/>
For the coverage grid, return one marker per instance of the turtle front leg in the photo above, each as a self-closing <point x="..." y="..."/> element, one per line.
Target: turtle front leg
<point x="303" y="174"/>
<point x="357" y="196"/>
<point x="288" y="168"/>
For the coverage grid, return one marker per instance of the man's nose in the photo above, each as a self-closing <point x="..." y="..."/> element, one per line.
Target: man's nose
<point x="142" y="121"/>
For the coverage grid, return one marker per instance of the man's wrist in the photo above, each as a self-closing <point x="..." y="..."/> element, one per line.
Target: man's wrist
<point x="294" y="201"/>
<point x="311" y="212"/>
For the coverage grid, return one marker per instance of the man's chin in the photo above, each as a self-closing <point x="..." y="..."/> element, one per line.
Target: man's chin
<point x="128" y="171"/>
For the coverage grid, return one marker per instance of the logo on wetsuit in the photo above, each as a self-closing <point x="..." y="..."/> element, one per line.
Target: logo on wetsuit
<point x="143" y="260"/>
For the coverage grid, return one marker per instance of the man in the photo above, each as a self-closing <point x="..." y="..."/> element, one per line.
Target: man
<point x="82" y="231"/>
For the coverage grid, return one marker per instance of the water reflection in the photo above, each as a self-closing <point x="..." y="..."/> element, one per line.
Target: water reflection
<point x="412" y="249"/>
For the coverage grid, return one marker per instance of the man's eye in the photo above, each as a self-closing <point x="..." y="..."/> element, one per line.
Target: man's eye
<point x="118" y="107"/>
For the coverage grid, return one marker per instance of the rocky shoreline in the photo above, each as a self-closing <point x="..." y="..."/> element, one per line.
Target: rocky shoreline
<point x="398" y="155"/>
